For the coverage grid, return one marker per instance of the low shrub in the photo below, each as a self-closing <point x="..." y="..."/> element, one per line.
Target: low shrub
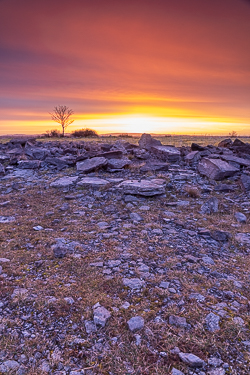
<point x="84" y="133"/>
<point x="52" y="133"/>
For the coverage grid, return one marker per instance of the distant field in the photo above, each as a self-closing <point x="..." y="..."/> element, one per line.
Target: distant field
<point x="178" y="140"/>
<point x="175" y="140"/>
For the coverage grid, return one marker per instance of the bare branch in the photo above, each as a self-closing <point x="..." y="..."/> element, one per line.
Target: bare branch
<point x="62" y="115"/>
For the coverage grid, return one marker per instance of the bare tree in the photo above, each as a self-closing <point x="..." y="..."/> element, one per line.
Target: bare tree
<point x="62" y="115"/>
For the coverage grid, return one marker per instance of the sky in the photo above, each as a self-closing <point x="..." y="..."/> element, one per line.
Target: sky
<point x="159" y="66"/>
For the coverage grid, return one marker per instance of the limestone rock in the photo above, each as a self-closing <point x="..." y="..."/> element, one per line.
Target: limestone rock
<point x="136" y="323"/>
<point x="166" y="153"/>
<point x="2" y="170"/>
<point x="178" y="321"/>
<point x="245" y="182"/>
<point x="29" y="164"/>
<point x="9" y="366"/>
<point x="210" y="206"/>
<point x="216" y="169"/>
<point x="176" y="372"/>
<point x="93" y="182"/>
<point x="193" y="157"/>
<point x="101" y="315"/>
<point x="240" y="217"/>
<point x="154" y="166"/>
<point x="144" y="187"/>
<point x="7" y="219"/>
<point x="64" y="182"/>
<point x="226" y="143"/>
<point x="146" y="142"/>
<point x="118" y="163"/>
<point x="243" y="238"/>
<point x="212" y="322"/>
<point x="91" y="164"/>
<point x="220" y="235"/>
<point x="133" y="283"/>
<point x="191" y="360"/>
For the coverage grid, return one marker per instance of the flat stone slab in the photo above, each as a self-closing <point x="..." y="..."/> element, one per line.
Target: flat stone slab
<point x="64" y="182"/>
<point x="216" y="169"/>
<point x="144" y="187"/>
<point x="91" y="164"/>
<point x="93" y="181"/>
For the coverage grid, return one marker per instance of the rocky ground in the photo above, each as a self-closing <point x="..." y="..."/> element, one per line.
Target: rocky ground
<point x="124" y="259"/>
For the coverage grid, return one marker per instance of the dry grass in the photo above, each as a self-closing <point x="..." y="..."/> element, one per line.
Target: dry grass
<point x="33" y="267"/>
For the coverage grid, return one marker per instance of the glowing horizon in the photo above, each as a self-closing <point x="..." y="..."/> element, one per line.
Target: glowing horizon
<point x="161" y="67"/>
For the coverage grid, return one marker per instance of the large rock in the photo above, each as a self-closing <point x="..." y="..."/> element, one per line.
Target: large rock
<point x="29" y="164"/>
<point x="146" y="142"/>
<point x="166" y="153"/>
<point x="144" y="187"/>
<point x="91" y="164"/>
<point x="216" y="169"/>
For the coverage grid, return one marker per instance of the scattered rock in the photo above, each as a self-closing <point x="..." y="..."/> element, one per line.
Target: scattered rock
<point x="178" y="321"/>
<point x="136" y="323"/>
<point x="210" y="206"/>
<point x="101" y="315"/>
<point x="133" y="283"/>
<point x="7" y="219"/>
<point x="212" y="322"/>
<point x="240" y="217"/>
<point x="191" y="360"/>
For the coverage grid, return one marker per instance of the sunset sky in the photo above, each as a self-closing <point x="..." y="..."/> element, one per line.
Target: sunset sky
<point x="158" y="66"/>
